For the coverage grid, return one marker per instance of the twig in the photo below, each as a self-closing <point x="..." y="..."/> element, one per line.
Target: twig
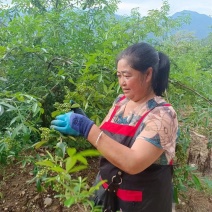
<point x="192" y="90"/>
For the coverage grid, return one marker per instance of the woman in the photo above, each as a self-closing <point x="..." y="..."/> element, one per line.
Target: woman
<point x="137" y="138"/>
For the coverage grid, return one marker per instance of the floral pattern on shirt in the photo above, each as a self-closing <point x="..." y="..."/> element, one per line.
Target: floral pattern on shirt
<point x="160" y="126"/>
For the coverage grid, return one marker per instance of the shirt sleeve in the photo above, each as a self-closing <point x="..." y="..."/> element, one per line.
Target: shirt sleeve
<point x="160" y="129"/>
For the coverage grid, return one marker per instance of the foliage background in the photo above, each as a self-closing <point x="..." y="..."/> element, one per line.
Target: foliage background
<point x="54" y="51"/>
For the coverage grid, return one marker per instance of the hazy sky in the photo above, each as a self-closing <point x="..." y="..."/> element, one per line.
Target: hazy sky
<point x="200" y="6"/>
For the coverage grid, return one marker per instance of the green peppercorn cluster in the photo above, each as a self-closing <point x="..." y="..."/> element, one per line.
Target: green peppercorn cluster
<point x="62" y="107"/>
<point x="42" y="173"/>
<point x="45" y="133"/>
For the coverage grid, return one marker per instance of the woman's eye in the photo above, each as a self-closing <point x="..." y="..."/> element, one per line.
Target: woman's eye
<point x="127" y="77"/>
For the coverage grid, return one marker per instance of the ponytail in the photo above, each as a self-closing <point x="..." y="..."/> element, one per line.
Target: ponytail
<point x="161" y="75"/>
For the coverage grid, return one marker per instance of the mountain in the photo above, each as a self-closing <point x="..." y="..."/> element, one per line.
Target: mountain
<point x="200" y="25"/>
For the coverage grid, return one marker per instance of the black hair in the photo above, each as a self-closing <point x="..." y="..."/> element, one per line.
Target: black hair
<point x="142" y="56"/>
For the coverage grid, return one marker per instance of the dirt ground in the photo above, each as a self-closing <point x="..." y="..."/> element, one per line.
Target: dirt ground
<point x="16" y="195"/>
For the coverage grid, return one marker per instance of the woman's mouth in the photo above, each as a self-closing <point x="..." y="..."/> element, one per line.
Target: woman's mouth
<point x="125" y="90"/>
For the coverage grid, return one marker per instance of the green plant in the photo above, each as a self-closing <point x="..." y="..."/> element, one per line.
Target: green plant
<point x="68" y="52"/>
<point x="58" y="170"/>
<point x="207" y="185"/>
<point x="19" y="113"/>
<point x="185" y="176"/>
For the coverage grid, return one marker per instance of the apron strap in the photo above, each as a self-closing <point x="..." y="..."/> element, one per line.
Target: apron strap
<point x="116" y="108"/>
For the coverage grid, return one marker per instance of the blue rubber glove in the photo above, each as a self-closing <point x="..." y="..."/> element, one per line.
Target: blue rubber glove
<point x="72" y="124"/>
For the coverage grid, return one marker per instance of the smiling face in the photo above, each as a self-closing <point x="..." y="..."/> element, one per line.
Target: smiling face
<point x="135" y="85"/>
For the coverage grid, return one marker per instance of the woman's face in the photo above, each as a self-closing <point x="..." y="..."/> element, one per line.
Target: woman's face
<point x="134" y="84"/>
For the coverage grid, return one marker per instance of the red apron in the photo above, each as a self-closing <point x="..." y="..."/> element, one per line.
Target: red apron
<point x="147" y="191"/>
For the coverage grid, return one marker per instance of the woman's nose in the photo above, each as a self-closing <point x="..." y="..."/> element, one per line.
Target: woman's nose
<point x="122" y="81"/>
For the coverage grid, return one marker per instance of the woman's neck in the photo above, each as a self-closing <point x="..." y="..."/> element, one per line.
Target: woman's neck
<point x="143" y="99"/>
<point x="133" y="105"/>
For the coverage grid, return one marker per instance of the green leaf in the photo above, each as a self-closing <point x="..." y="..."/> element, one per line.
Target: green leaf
<point x="39" y="144"/>
<point x="82" y="159"/>
<point x="1" y="110"/>
<point x="100" y="78"/>
<point x="77" y="169"/>
<point x="55" y="113"/>
<point x="196" y="181"/>
<point x="8" y="105"/>
<point x="114" y="43"/>
<point x="175" y="195"/>
<point x="50" y="155"/>
<point x="45" y="163"/>
<point x="34" y="107"/>
<point x="51" y="179"/>
<point x="16" y="130"/>
<point x="72" y="81"/>
<point x="3" y="79"/>
<point x="96" y="187"/>
<point x="71" y="151"/>
<point x="105" y="88"/>
<point x="70" y="162"/>
<point x="75" y="105"/>
<point x="14" y="120"/>
<point x="44" y="50"/>
<point x="20" y="97"/>
<point x="41" y="110"/>
<point x="111" y="86"/>
<point x="69" y="202"/>
<point x="39" y="185"/>
<point x="3" y="146"/>
<point x="58" y="169"/>
<point x="24" y="129"/>
<point x="62" y="146"/>
<point x="90" y="153"/>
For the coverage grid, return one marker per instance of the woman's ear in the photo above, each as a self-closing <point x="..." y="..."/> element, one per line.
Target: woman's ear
<point x="149" y="74"/>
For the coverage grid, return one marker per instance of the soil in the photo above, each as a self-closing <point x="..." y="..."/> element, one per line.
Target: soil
<point x="17" y="195"/>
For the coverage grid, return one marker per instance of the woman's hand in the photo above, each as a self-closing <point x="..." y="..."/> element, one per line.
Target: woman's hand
<point x="72" y="124"/>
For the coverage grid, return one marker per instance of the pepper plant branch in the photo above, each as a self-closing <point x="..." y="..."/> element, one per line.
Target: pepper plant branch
<point x="190" y="89"/>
